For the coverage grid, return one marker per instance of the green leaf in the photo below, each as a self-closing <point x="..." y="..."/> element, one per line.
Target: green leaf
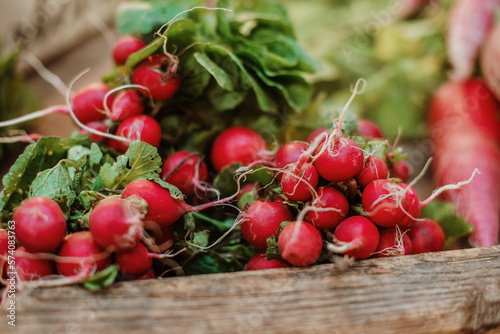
<point x="272" y="251"/>
<point x="141" y="161"/>
<point x="211" y="262"/>
<point x="443" y="213"/>
<point x="226" y="183"/>
<point x="201" y="238"/>
<point x="101" y="279"/>
<point x="139" y="56"/>
<point x="174" y="191"/>
<point x="222" y="78"/>
<point x="55" y="183"/>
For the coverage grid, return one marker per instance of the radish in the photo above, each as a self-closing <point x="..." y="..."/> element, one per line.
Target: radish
<point x="262" y="220"/>
<point x="299" y="182"/>
<point x="149" y="275"/>
<point x="141" y="127"/>
<point x="464" y="125"/>
<point x="368" y="129"/>
<point x="126" y="103"/>
<point x="163" y="207"/>
<point x="260" y="262"/>
<point x="4" y="249"/>
<point x="116" y="224"/>
<point x="328" y="208"/>
<point x="40" y="224"/>
<point x="490" y="67"/>
<point x="393" y="242"/>
<point x="88" y="102"/>
<point x="468" y="24"/>
<point x="238" y="144"/>
<point x="316" y="133"/>
<point x="300" y="243"/>
<point x="289" y="153"/>
<point x="356" y="236"/>
<point x="185" y="170"/>
<point x="80" y="256"/>
<point x="400" y="170"/>
<point x="96" y="125"/>
<point x="373" y="168"/>
<point x="125" y="47"/>
<point x="158" y="74"/>
<point x="135" y="262"/>
<point x="426" y="236"/>
<point x="30" y="267"/>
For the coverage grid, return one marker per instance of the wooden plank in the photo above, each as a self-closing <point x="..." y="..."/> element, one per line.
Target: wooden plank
<point x="446" y="292"/>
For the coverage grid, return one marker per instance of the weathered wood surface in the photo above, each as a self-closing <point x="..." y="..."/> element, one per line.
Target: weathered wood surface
<point x="447" y="292"/>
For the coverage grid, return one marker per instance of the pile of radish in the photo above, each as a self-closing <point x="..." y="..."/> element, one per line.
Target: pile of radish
<point x="343" y="192"/>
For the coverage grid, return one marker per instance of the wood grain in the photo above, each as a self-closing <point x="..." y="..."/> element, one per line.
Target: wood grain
<point x="446" y="292"/>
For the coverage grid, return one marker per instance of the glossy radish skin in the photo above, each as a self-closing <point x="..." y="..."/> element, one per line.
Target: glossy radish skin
<point x="238" y="144"/>
<point x="318" y="132"/>
<point x="340" y="161"/>
<point x="116" y="224"/>
<point x="141" y="127"/>
<point x="289" y="153"/>
<point x="300" y="243"/>
<point x="88" y="102"/>
<point x="401" y="170"/>
<point x="30" y="268"/>
<point x="464" y="126"/>
<point x="414" y="208"/>
<point x="40" y="224"/>
<point x="299" y="183"/>
<point x="373" y="168"/>
<point x="468" y="25"/>
<point x="135" y="262"/>
<point x="328" y="198"/>
<point x="126" y="103"/>
<point x="96" y="125"/>
<point x="260" y="262"/>
<point x="155" y="73"/>
<point x="368" y="129"/>
<point x="426" y="236"/>
<point x="125" y="47"/>
<point x="163" y="208"/>
<point x="4" y="248"/>
<point x="183" y="174"/>
<point x="262" y="220"/>
<point x="383" y="202"/>
<point x="81" y="254"/>
<point x="393" y="242"/>
<point x="359" y="235"/>
<point x="490" y="66"/>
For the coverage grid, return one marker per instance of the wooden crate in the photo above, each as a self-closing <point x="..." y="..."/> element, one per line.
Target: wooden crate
<point x="447" y="292"/>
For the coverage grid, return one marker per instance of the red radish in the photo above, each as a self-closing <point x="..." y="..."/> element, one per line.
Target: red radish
<point x="158" y="74"/>
<point x="80" y="255"/>
<point x="322" y="131"/>
<point x="164" y="209"/>
<point x="185" y="170"/>
<point x="414" y="207"/>
<point x="260" y="262"/>
<point x="262" y="220"/>
<point x="141" y="127"/>
<point x="401" y="170"/>
<point x="126" y="103"/>
<point x="374" y="168"/>
<point x="468" y="24"/>
<point x="238" y="144"/>
<point x="149" y="275"/>
<point x="369" y="129"/>
<point x="356" y="236"/>
<point x="465" y="128"/>
<point x="116" y="223"/>
<point x="300" y="243"/>
<point x="299" y="182"/>
<point x="96" y="125"/>
<point x="4" y="248"/>
<point x="393" y="242"/>
<point x="331" y="208"/>
<point x="88" y="102"/>
<point x="426" y="236"/>
<point x="125" y="47"/>
<point x="248" y="188"/>
<point x="289" y="153"/>
<point x="30" y="266"/>
<point x="40" y="224"/>
<point x="340" y="160"/>
<point x="384" y="202"/>
<point x="490" y="66"/>
<point x="135" y="262"/>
